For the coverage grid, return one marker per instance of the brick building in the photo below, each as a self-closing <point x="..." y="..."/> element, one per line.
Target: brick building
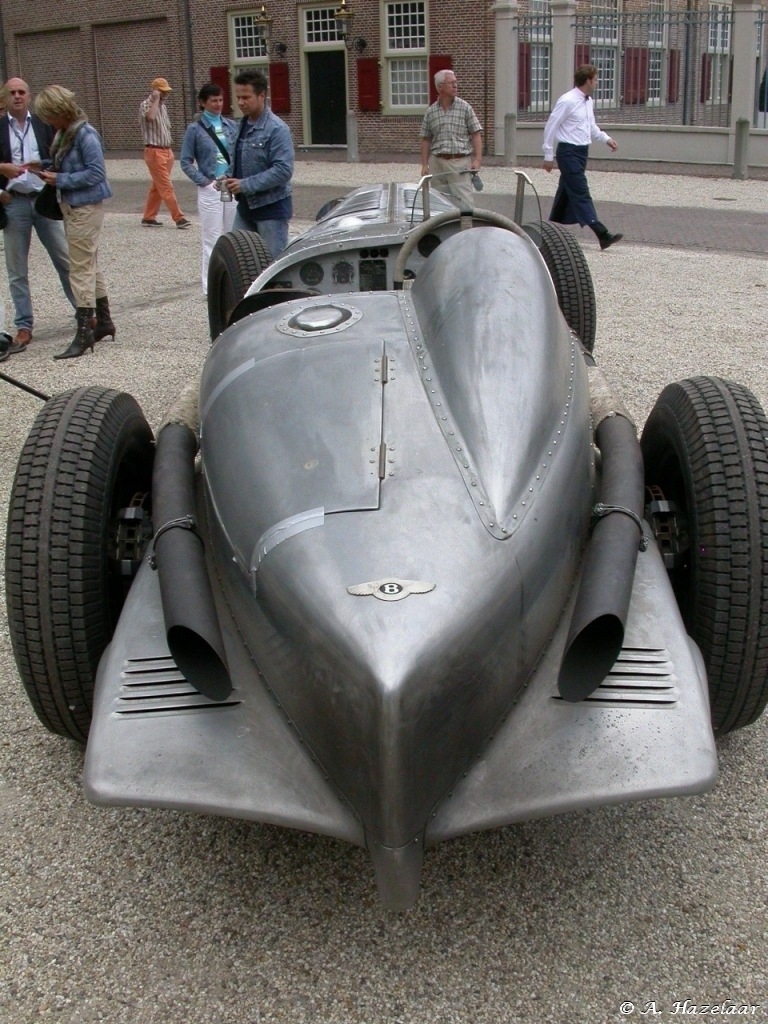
<point x="669" y="65"/>
<point x="108" y="51"/>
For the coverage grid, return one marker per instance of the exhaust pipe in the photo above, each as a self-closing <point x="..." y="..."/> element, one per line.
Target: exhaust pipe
<point x="192" y="626"/>
<point x="599" y="617"/>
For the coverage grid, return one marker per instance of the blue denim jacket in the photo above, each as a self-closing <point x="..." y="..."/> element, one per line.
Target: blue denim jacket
<point x="198" y="148"/>
<point x="266" y="159"/>
<point x="82" y="175"/>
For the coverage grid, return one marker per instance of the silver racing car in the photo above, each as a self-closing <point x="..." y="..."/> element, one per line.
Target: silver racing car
<point x="396" y="568"/>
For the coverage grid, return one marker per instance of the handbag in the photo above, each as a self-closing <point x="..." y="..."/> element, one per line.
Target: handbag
<point x="47" y="205"/>
<point x="3" y="217"/>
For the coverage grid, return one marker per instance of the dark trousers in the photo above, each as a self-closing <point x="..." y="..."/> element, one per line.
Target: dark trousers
<point x="573" y="203"/>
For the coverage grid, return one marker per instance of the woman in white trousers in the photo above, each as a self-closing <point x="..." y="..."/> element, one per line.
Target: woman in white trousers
<point x="206" y="157"/>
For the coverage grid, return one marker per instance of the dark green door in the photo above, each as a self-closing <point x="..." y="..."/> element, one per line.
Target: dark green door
<point x="327" y="98"/>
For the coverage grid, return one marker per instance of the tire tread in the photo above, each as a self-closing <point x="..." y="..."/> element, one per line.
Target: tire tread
<point x="57" y="547"/>
<point x="715" y="434"/>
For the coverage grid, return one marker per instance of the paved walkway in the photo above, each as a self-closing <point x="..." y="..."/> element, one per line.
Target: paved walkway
<point x="681" y="211"/>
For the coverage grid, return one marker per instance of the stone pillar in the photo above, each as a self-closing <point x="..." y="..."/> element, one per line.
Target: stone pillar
<point x="506" y="63"/>
<point x="563" y="47"/>
<point x="745" y="61"/>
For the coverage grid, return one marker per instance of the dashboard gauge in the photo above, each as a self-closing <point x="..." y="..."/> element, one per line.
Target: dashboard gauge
<point x="311" y="273"/>
<point x="427" y="245"/>
<point x="343" y="272"/>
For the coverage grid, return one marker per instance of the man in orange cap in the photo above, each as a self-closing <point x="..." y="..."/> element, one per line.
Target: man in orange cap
<point x="158" y="156"/>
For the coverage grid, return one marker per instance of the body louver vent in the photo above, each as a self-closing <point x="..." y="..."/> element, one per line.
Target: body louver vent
<point x="153" y="685"/>
<point x="640" y="678"/>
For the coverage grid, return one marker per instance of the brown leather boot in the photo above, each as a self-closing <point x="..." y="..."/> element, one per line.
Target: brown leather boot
<point x="103" y="326"/>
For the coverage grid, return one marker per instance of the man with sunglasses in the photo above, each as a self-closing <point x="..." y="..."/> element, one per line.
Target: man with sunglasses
<point x="25" y="140"/>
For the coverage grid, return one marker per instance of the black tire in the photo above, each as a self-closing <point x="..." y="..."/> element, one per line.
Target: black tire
<point x="89" y="452"/>
<point x="705" y="447"/>
<point x="237" y="259"/>
<point x="570" y="273"/>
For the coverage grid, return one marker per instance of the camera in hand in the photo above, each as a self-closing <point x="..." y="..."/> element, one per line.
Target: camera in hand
<point x="224" y="194"/>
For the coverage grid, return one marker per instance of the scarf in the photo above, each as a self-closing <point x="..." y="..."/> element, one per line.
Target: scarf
<point x="214" y="120"/>
<point x="64" y="140"/>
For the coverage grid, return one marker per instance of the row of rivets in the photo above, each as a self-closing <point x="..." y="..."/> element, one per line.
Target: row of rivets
<point x="420" y="352"/>
<point x="565" y="413"/>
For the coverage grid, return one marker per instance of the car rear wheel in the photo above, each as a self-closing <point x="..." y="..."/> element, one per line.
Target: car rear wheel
<point x="77" y="526"/>
<point x="570" y="273"/>
<point x="237" y="259"/>
<point x="705" y="448"/>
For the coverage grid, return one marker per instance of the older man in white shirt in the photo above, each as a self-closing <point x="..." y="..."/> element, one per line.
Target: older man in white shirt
<point x="571" y="128"/>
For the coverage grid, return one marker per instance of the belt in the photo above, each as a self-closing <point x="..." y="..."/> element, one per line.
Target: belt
<point x="451" y="156"/>
<point x="149" y="145"/>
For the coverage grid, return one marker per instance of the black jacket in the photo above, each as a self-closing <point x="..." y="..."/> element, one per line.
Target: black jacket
<point x="43" y="133"/>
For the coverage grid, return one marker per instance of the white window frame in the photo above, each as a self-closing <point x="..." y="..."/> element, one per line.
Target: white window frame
<point x="606" y="94"/>
<point x="392" y="56"/>
<point x="719" y="50"/>
<point x="259" y="61"/>
<point x="719" y="35"/>
<point x="334" y="40"/>
<point x="540" y="42"/>
<point x="658" y="45"/>
<point x="604" y="49"/>
<point x="541" y="76"/>
<point x="606" y="15"/>
<point x="656" y="67"/>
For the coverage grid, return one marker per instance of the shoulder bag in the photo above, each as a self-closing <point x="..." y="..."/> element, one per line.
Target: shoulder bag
<point x="47" y="205"/>
<point x="224" y="152"/>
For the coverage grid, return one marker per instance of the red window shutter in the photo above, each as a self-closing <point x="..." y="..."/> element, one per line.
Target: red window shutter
<point x="673" y="77"/>
<point x="706" y="77"/>
<point x="368" y="86"/>
<point x="220" y="76"/>
<point x="635" y="74"/>
<point x="524" y="77"/>
<point x="581" y="55"/>
<point x="437" y="63"/>
<point x="279" y="88"/>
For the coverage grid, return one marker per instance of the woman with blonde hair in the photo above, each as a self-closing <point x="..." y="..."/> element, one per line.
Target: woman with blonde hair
<point x="79" y="175"/>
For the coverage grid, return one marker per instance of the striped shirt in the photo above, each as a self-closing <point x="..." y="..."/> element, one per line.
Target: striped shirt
<point x="450" y="131"/>
<point x="158" y="131"/>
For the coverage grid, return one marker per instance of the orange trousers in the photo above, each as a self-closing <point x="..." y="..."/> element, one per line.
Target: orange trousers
<point x="160" y="162"/>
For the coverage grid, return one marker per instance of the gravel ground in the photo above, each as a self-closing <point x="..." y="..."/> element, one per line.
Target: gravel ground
<point x="150" y="917"/>
<point x="606" y="186"/>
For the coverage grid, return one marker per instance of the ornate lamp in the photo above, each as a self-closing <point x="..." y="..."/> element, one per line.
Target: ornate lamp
<point x="343" y="17"/>
<point x="263" y="24"/>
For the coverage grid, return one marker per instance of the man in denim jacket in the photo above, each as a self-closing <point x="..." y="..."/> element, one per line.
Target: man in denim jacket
<point x="261" y="181"/>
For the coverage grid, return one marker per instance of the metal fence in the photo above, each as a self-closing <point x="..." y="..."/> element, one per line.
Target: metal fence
<point x="655" y="66"/>
<point x="761" y="73"/>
